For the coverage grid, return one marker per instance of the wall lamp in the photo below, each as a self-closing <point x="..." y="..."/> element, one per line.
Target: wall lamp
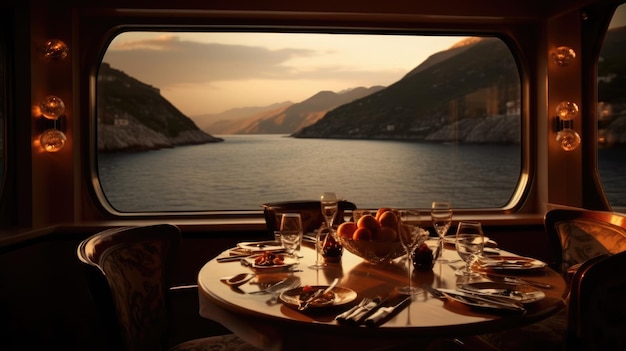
<point x="52" y="123"/>
<point x="51" y="110"/>
<point x="566" y="136"/>
<point x="566" y="111"/>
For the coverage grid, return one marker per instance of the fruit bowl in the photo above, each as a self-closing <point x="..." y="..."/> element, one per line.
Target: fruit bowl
<point x="373" y="251"/>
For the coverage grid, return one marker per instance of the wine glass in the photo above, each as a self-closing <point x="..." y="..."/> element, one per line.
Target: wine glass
<point x="291" y="232"/>
<point x="411" y="236"/>
<point x="329" y="207"/>
<point x="469" y="244"/>
<point x="441" y="215"/>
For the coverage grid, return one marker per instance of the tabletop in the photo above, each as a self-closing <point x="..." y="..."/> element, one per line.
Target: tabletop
<point x="264" y="321"/>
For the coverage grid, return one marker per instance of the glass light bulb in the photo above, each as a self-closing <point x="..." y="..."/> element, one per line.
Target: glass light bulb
<point x="54" y="50"/>
<point x="52" y="140"/>
<point x="567" y="110"/>
<point x="52" y="107"/>
<point x="568" y="138"/>
<point x="563" y="55"/>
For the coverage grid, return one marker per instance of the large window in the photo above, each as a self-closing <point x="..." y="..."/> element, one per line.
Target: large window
<point x="612" y="110"/>
<point x="229" y="121"/>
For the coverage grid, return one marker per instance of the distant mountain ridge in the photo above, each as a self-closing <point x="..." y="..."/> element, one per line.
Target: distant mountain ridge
<point x="287" y="118"/>
<point x="442" y="99"/>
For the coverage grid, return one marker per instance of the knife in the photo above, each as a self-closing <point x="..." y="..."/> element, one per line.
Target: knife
<point x="517" y="280"/>
<point x="382" y="312"/>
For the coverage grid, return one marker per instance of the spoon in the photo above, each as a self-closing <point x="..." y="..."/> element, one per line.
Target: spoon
<point x="237" y="279"/>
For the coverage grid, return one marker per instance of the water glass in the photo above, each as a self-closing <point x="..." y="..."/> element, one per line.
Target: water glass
<point x="291" y="232"/>
<point x="441" y="215"/>
<point x="469" y="244"/>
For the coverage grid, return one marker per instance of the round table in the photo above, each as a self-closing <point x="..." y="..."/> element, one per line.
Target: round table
<point x="271" y="325"/>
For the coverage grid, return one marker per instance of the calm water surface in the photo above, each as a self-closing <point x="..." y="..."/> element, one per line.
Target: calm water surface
<point x="246" y="171"/>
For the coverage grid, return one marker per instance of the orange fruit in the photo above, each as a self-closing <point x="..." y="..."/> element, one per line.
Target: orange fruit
<point x="362" y="234"/>
<point x="381" y="211"/>
<point x="386" y="234"/>
<point x="388" y="219"/>
<point x="369" y="222"/>
<point x="346" y="229"/>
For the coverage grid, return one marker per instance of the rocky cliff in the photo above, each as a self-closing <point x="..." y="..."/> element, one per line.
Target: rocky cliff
<point x="133" y="116"/>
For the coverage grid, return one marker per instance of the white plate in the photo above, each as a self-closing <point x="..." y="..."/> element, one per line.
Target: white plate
<point x="287" y="262"/>
<point x="477" y="302"/>
<point x="342" y="296"/>
<point x="260" y="246"/>
<point x="515" y="292"/>
<point x="515" y="263"/>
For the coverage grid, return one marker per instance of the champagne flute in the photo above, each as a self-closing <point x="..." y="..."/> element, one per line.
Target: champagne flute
<point x="441" y="215"/>
<point x="291" y="232"/>
<point x="411" y="236"/>
<point x="329" y="207"/>
<point x="469" y="244"/>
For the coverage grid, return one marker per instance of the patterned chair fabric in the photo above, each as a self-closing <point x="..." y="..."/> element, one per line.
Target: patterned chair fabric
<point x="584" y="234"/>
<point x="129" y="271"/>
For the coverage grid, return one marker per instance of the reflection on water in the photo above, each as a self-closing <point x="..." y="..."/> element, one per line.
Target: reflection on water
<point x="245" y="171"/>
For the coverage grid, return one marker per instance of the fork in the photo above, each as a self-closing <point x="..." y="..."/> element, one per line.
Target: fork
<point x="344" y="316"/>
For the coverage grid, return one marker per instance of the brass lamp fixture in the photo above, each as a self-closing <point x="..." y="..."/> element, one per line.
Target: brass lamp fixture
<point x="566" y="111"/>
<point x="51" y="110"/>
<point x="566" y="136"/>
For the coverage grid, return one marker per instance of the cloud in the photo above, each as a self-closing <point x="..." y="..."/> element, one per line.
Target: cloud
<point x="166" y="61"/>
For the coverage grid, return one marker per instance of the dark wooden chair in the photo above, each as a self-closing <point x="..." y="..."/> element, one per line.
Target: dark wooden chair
<point x="129" y="272"/>
<point x="597" y="305"/>
<point x="309" y="210"/>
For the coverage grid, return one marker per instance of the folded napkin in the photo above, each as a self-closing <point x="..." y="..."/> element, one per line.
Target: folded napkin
<point x="357" y="314"/>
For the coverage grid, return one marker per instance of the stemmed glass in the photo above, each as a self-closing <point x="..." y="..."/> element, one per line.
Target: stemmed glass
<point x="441" y="214"/>
<point x="469" y="244"/>
<point x="329" y="207"/>
<point x="291" y="232"/>
<point x="411" y="236"/>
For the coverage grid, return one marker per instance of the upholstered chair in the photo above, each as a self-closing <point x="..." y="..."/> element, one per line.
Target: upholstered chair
<point x="597" y="307"/>
<point x="129" y="272"/>
<point x="577" y="236"/>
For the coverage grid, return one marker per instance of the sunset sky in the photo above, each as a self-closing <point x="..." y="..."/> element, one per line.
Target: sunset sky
<point x="202" y="73"/>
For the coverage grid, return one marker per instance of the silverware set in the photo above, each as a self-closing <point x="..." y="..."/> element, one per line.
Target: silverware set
<point x="475" y="299"/>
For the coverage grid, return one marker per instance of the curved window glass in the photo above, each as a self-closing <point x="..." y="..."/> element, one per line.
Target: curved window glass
<point x="229" y="121"/>
<point x="612" y="110"/>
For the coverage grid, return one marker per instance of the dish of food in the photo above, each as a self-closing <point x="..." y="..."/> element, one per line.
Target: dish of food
<point x="269" y="261"/>
<point x="260" y="246"/>
<point x="509" y="263"/>
<point x="337" y="296"/>
<point x="516" y="292"/>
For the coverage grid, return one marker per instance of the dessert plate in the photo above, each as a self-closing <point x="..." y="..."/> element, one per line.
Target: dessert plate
<point x="509" y="263"/>
<point x="268" y="268"/>
<point x="514" y="292"/>
<point x="341" y="296"/>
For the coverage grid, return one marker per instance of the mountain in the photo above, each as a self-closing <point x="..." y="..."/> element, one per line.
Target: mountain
<point x="133" y="116"/>
<point x="219" y="123"/>
<point x="289" y="118"/>
<point x="419" y="107"/>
